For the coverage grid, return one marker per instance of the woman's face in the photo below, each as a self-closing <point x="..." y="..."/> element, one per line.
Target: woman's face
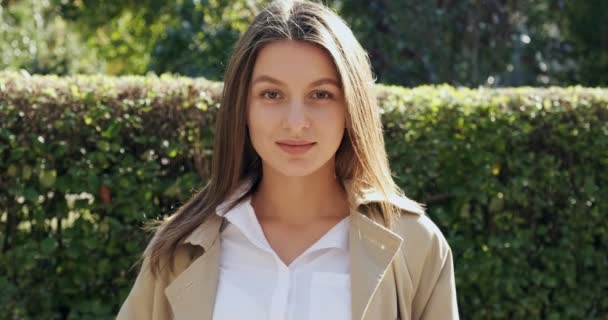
<point x="296" y="109"/>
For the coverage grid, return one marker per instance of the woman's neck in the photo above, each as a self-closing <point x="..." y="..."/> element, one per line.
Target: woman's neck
<point x="300" y="200"/>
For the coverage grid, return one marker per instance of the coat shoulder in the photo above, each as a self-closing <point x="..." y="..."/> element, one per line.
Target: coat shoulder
<point x="171" y="267"/>
<point x="424" y="244"/>
<point x="429" y="267"/>
<point x="418" y="227"/>
<point x="146" y="299"/>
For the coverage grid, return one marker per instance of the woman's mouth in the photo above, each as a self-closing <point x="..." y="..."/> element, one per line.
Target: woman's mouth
<point x="296" y="149"/>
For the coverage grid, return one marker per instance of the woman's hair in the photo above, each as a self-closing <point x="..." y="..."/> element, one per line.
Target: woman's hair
<point x="361" y="157"/>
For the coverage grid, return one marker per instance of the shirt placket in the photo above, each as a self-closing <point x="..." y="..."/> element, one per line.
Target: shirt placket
<point x="279" y="301"/>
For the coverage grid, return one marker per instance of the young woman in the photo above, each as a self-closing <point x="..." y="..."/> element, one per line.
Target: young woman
<point x="301" y="218"/>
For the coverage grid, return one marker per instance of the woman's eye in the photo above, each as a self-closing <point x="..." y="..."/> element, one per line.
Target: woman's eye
<point x="272" y="95"/>
<point x="322" y="95"/>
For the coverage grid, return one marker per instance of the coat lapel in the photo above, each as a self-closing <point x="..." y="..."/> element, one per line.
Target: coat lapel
<point x="192" y="293"/>
<point x="372" y="248"/>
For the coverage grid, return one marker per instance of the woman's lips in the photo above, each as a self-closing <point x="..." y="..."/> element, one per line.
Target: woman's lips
<point x="296" y="149"/>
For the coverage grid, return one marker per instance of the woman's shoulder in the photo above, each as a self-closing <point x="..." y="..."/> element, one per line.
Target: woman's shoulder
<point x="413" y="221"/>
<point x="424" y="247"/>
<point x="161" y="262"/>
<point x="147" y="299"/>
<point x="420" y="229"/>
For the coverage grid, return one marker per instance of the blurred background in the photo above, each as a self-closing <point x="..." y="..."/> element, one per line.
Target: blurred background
<point x="410" y="42"/>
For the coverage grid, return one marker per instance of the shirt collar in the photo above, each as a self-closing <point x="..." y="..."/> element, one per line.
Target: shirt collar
<point x="207" y="232"/>
<point x="243" y="217"/>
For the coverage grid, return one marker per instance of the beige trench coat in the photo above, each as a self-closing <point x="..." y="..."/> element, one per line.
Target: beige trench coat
<point x="404" y="273"/>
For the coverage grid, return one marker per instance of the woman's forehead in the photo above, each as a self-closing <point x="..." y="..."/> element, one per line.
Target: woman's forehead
<point x="299" y="61"/>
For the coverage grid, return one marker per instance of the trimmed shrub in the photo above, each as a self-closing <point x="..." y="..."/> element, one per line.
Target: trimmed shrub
<point x="515" y="178"/>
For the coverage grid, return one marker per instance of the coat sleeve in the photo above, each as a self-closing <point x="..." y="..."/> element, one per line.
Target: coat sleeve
<point x="435" y="298"/>
<point x="146" y="300"/>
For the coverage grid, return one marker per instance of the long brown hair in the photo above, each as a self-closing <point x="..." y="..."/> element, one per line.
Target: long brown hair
<point x="361" y="157"/>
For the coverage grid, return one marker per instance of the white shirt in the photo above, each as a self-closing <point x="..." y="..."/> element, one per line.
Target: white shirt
<point x="254" y="283"/>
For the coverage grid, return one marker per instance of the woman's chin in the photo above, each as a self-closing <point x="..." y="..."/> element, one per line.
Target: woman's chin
<point x="294" y="167"/>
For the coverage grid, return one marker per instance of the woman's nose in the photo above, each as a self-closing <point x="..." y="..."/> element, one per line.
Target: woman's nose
<point x="297" y="117"/>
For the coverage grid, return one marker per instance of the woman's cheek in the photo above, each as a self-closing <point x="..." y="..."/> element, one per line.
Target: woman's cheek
<point x="262" y="121"/>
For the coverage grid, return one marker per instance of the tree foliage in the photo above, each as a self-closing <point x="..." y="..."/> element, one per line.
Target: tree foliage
<point x="411" y="42"/>
<point x="483" y="42"/>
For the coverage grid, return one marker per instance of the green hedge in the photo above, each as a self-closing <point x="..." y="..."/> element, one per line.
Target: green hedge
<point x="515" y="178"/>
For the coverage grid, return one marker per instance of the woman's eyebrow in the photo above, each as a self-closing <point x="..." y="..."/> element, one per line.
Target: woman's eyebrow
<point x="265" y="78"/>
<point x="325" y="81"/>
